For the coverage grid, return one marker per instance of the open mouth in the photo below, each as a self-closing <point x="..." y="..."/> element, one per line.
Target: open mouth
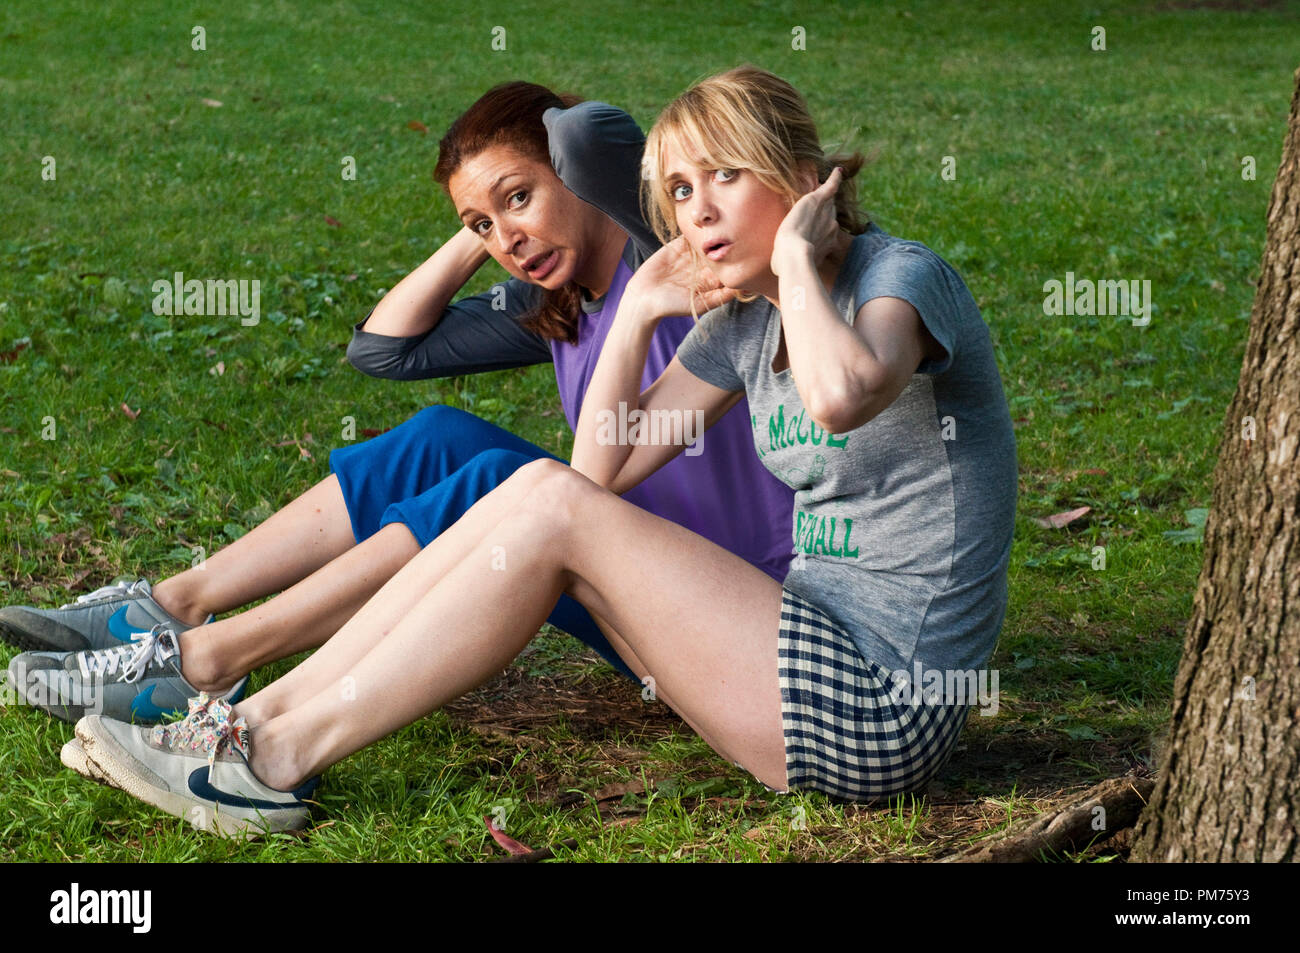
<point x="539" y="266"/>
<point x="716" y="249"/>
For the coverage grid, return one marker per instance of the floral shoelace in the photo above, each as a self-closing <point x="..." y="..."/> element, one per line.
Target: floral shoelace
<point x="208" y="728"/>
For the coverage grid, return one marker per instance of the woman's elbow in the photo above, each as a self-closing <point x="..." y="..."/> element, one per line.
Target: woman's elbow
<point x="839" y="408"/>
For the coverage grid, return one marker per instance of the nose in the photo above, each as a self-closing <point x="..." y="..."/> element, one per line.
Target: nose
<point x="703" y="211"/>
<point x="508" y="237"/>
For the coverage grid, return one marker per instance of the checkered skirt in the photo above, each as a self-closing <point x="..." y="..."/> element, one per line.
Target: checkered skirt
<point x="844" y="733"/>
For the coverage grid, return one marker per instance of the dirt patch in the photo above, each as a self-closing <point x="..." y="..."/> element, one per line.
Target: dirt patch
<point x="592" y="706"/>
<point x="543" y="725"/>
<point x="1034" y="764"/>
<point x="72" y="561"/>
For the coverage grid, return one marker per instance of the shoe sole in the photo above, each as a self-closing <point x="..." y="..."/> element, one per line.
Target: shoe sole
<point x="53" y="641"/>
<point x="74" y="756"/>
<point x="200" y="815"/>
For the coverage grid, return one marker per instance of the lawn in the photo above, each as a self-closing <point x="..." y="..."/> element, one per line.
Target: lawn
<point x="128" y="440"/>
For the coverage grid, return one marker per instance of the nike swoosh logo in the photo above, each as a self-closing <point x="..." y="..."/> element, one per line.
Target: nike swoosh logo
<point x="144" y="709"/>
<point x="120" y="629"/>
<point x="201" y="787"/>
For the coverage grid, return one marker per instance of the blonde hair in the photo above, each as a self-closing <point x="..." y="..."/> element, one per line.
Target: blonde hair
<point x="745" y="118"/>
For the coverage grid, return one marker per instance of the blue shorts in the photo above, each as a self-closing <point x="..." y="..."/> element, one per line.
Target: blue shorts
<point x="426" y="472"/>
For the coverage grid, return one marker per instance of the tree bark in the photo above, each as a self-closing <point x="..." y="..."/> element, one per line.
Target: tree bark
<point x="1229" y="783"/>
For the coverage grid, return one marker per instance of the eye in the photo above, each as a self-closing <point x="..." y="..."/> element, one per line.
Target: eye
<point x="477" y="227"/>
<point x="676" y="192"/>
<point x="511" y="203"/>
<point x="725" y="175"/>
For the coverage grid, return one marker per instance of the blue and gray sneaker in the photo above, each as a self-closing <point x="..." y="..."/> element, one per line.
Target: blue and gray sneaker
<point x="113" y="615"/>
<point x="196" y="769"/>
<point x="138" y="682"/>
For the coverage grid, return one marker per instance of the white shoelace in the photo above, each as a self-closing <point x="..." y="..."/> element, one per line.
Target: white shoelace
<point x="114" y="591"/>
<point x="156" y="647"/>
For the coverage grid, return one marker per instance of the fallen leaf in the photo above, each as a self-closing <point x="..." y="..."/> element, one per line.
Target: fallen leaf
<point x="132" y="414"/>
<point x="218" y="369"/>
<point x="214" y="103"/>
<point x="1095" y="472"/>
<point x="418" y="126"/>
<point x="372" y="432"/>
<point x="507" y="843"/>
<point x="79" y="578"/>
<point x="332" y="221"/>
<point x="8" y="357"/>
<point x="1057" y="520"/>
<point x="388" y="99"/>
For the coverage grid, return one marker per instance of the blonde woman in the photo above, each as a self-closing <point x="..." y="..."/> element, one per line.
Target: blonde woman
<point x="856" y="351"/>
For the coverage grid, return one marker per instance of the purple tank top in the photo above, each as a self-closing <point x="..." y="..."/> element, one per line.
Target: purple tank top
<point x="724" y="494"/>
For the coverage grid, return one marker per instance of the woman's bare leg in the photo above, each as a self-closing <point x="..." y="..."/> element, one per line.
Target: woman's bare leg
<point x="393" y="601"/>
<point x="292" y="544"/>
<point x="215" y="656"/>
<point x="698" y="619"/>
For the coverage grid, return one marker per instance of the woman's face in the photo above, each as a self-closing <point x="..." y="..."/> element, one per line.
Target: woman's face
<point x="729" y="217"/>
<point x="536" y="228"/>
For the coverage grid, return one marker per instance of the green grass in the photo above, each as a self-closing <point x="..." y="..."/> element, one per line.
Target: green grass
<point x="1117" y="164"/>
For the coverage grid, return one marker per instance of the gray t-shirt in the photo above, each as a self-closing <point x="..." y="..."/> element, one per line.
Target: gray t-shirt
<point x="905" y="522"/>
<point x="596" y="151"/>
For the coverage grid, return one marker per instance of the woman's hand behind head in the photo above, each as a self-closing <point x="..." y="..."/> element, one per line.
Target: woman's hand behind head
<point x="673" y="281"/>
<point x="809" y="225"/>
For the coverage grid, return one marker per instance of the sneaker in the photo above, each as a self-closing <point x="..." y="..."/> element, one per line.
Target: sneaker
<point x="196" y="769"/>
<point x="113" y="615"/>
<point x="74" y="757"/>
<point x="140" y="682"/>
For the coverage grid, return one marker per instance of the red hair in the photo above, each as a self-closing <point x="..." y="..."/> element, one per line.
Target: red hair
<point x="511" y="115"/>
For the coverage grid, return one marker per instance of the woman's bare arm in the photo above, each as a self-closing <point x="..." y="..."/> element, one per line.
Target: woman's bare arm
<point x="417" y="302"/>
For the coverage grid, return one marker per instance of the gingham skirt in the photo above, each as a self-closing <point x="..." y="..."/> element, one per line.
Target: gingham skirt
<point x="844" y="733"/>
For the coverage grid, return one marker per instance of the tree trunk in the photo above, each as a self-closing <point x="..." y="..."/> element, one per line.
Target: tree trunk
<point x="1230" y="777"/>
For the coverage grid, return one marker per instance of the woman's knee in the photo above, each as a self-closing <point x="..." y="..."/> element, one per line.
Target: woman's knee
<point x="557" y="492"/>
<point x="444" y="420"/>
<point x="535" y="473"/>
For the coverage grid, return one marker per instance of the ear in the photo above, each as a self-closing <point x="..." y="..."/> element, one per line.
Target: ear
<point x="808" y="180"/>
